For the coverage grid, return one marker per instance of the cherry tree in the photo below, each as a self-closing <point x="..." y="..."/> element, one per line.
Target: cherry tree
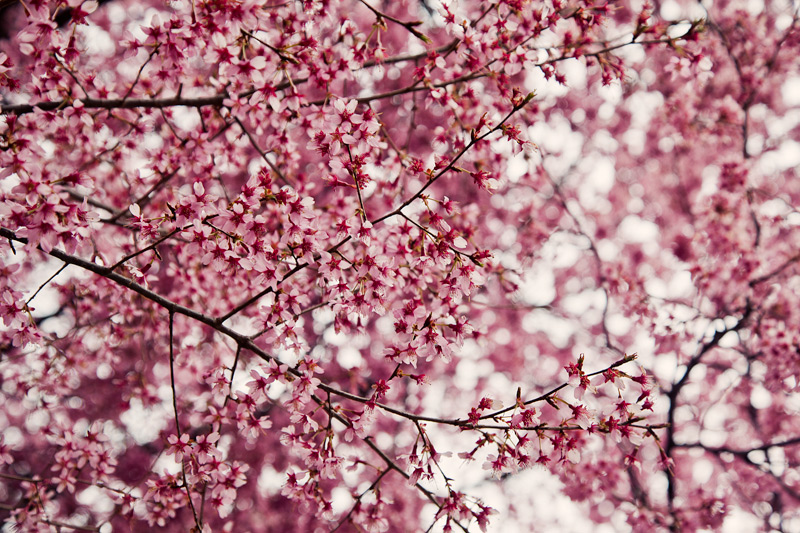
<point x="353" y="265"/>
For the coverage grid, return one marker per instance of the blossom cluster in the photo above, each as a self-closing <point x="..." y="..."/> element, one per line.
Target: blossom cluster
<point x="292" y="265"/>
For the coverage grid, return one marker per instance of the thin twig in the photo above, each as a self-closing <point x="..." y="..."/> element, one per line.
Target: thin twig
<point x="43" y="285"/>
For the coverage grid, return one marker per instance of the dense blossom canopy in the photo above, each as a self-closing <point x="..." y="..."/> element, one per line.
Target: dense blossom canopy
<point x="361" y="266"/>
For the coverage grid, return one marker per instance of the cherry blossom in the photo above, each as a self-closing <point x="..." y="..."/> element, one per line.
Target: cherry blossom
<point x="353" y="265"/>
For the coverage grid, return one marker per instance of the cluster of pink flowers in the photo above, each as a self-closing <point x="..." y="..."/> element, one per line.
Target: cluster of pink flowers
<point x="294" y="265"/>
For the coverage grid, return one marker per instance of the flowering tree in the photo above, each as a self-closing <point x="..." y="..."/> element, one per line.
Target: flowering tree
<point x="339" y="264"/>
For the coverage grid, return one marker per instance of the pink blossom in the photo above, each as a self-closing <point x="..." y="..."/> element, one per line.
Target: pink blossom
<point x="178" y="446"/>
<point x="256" y="237"/>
